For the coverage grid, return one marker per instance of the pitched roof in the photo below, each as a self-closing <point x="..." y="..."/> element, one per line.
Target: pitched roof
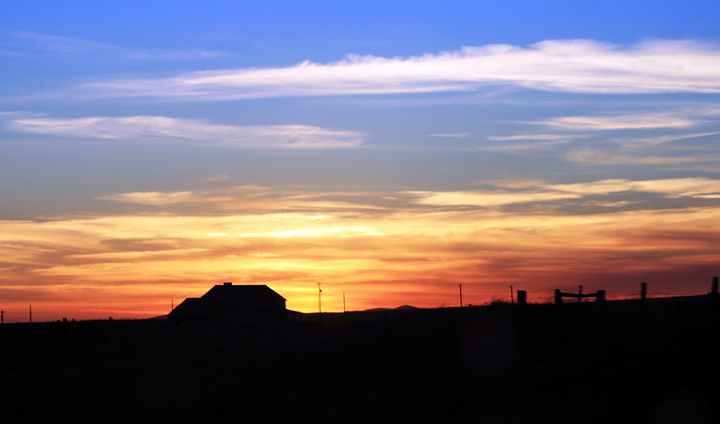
<point x="228" y="299"/>
<point x="245" y="293"/>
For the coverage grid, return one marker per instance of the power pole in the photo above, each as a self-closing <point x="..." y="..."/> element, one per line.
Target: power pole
<point x="319" y="301"/>
<point x="512" y="296"/>
<point x="460" y="295"/>
<point x="2" y="317"/>
<point x="30" y="313"/>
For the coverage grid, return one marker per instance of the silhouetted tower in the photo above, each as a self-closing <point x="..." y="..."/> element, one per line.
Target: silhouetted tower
<point x="2" y="317"/>
<point x="30" y="313"/>
<point x="460" y="295"/>
<point x="512" y="296"/>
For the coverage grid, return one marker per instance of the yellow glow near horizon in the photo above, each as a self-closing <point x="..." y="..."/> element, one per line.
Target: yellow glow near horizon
<point x="409" y="256"/>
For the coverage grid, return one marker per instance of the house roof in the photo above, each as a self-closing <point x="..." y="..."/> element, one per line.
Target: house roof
<point x="227" y="298"/>
<point x="244" y="292"/>
<point x="190" y="306"/>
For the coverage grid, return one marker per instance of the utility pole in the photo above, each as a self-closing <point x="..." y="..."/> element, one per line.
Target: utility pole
<point x="460" y="295"/>
<point x="30" y="313"/>
<point x="319" y="301"/>
<point x="512" y="296"/>
<point x="2" y="317"/>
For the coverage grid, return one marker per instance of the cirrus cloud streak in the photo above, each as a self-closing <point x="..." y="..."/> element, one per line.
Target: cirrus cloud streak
<point x="161" y="127"/>
<point x="576" y="66"/>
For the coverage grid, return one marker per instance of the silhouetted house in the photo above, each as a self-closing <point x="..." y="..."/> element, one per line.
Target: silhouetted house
<point x="229" y="303"/>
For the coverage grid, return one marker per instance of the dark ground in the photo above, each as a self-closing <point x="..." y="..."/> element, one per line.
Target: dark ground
<point x="493" y="364"/>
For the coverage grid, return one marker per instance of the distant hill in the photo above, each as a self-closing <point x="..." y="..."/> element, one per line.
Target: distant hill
<point x="399" y="308"/>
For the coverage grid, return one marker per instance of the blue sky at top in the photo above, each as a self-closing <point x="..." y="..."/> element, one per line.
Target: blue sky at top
<point x="53" y="53"/>
<point x="283" y="33"/>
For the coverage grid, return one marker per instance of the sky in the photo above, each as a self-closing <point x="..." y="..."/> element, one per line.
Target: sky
<point x="389" y="151"/>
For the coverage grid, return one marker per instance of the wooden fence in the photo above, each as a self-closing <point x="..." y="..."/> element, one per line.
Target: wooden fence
<point x="600" y="295"/>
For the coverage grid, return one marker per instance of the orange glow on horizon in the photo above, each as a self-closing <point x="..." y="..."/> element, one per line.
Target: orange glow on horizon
<point x="132" y="266"/>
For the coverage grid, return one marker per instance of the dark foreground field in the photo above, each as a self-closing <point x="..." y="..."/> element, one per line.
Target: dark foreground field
<point x="492" y="364"/>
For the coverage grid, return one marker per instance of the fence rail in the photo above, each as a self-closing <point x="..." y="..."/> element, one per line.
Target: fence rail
<point x="601" y="294"/>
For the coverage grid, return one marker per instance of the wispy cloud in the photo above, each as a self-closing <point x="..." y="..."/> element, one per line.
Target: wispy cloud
<point x="594" y="157"/>
<point x="524" y="147"/>
<point x="623" y="121"/>
<point x="643" y="142"/>
<point x="218" y="178"/>
<point x="682" y="187"/>
<point x="511" y="182"/>
<point x="151" y="198"/>
<point x="528" y="142"/>
<point x="489" y="198"/>
<point x="497" y="193"/>
<point x="579" y="66"/>
<point x="672" y="187"/>
<point x="449" y="135"/>
<point x="541" y="137"/>
<point x="32" y="44"/>
<point x="161" y="127"/>
<point x="245" y="198"/>
<point x="61" y="44"/>
<point x="175" y="55"/>
<point x="542" y="192"/>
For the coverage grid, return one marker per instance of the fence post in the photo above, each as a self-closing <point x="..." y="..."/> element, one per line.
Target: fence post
<point x="714" y="294"/>
<point x="558" y="297"/>
<point x="521" y="297"/>
<point x="643" y="292"/>
<point x="600" y="298"/>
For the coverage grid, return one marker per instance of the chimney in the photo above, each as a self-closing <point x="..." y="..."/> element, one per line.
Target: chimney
<point x="227" y="284"/>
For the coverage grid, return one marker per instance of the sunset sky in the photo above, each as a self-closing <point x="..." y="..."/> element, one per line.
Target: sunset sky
<point x="390" y="150"/>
